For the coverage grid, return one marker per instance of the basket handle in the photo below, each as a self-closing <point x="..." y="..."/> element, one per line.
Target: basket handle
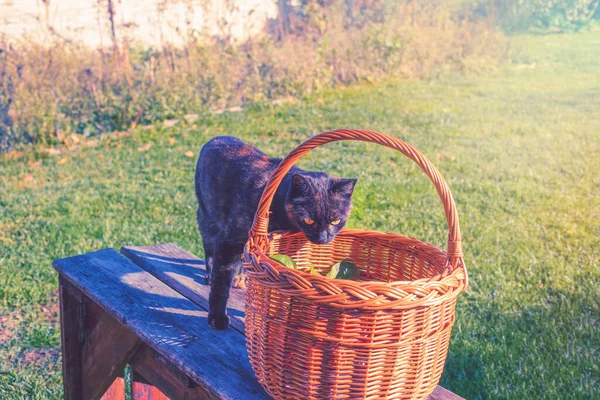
<point x="259" y="231"/>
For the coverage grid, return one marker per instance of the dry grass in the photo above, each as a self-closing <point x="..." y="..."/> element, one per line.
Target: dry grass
<point x="50" y="92"/>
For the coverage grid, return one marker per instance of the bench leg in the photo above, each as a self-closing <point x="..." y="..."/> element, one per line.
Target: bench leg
<point x="106" y="351"/>
<point x="95" y="348"/>
<point x="71" y="321"/>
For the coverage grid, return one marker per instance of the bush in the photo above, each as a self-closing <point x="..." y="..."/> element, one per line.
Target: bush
<point x="544" y="15"/>
<point x="50" y="92"/>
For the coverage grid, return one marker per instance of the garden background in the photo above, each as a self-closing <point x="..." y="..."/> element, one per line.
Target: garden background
<point x="98" y="147"/>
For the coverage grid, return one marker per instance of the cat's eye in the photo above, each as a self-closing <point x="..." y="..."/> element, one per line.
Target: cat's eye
<point x="335" y="222"/>
<point x="308" y="221"/>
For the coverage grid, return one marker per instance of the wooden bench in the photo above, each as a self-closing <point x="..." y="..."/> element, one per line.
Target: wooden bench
<point x="146" y="308"/>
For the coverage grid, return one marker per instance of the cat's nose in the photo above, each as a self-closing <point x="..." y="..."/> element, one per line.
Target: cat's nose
<point x="324" y="238"/>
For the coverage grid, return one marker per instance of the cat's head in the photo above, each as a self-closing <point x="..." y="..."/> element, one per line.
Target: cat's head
<point x="319" y="205"/>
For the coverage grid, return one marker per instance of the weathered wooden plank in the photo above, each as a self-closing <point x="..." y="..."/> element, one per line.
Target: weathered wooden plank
<point x="71" y="323"/>
<point x="165" y="320"/>
<point x="106" y="351"/>
<point x="93" y="314"/>
<point x="443" y="394"/>
<point x="116" y="391"/>
<point x="72" y="290"/>
<point x="185" y="273"/>
<point x="157" y="371"/>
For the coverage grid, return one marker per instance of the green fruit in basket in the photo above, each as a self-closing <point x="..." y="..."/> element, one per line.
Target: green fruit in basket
<point x="284" y="260"/>
<point x="343" y="270"/>
<point x="347" y="270"/>
<point x="335" y="268"/>
<point x="313" y="271"/>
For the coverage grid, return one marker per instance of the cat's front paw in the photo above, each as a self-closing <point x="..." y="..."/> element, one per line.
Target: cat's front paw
<point x="218" y="322"/>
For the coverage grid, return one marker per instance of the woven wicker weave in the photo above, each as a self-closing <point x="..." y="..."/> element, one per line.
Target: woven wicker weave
<point x="384" y="336"/>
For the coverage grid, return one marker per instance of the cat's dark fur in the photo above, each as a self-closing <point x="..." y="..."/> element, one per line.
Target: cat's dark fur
<point x="230" y="178"/>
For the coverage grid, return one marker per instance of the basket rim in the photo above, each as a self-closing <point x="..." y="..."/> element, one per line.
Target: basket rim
<point x="368" y="295"/>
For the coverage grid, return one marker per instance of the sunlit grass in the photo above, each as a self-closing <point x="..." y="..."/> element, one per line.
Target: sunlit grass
<point x="519" y="148"/>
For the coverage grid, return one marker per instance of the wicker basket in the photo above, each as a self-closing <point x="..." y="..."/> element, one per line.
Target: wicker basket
<point x="384" y="336"/>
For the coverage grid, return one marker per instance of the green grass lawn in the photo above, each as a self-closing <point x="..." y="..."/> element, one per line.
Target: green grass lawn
<point x="519" y="148"/>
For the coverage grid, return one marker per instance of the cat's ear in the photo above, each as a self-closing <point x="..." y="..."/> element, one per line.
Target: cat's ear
<point x="343" y="187"/>
<point x="300" y="186"/>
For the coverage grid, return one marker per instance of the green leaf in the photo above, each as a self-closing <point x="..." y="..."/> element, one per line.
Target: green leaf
<point x="347" y="270"/>
<point x="284" y="260"/>
<point x="313" y="271"/>
<point x="335" y="268"/>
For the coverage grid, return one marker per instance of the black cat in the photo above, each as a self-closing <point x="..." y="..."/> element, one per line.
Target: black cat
<point x="230" y="178"/>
